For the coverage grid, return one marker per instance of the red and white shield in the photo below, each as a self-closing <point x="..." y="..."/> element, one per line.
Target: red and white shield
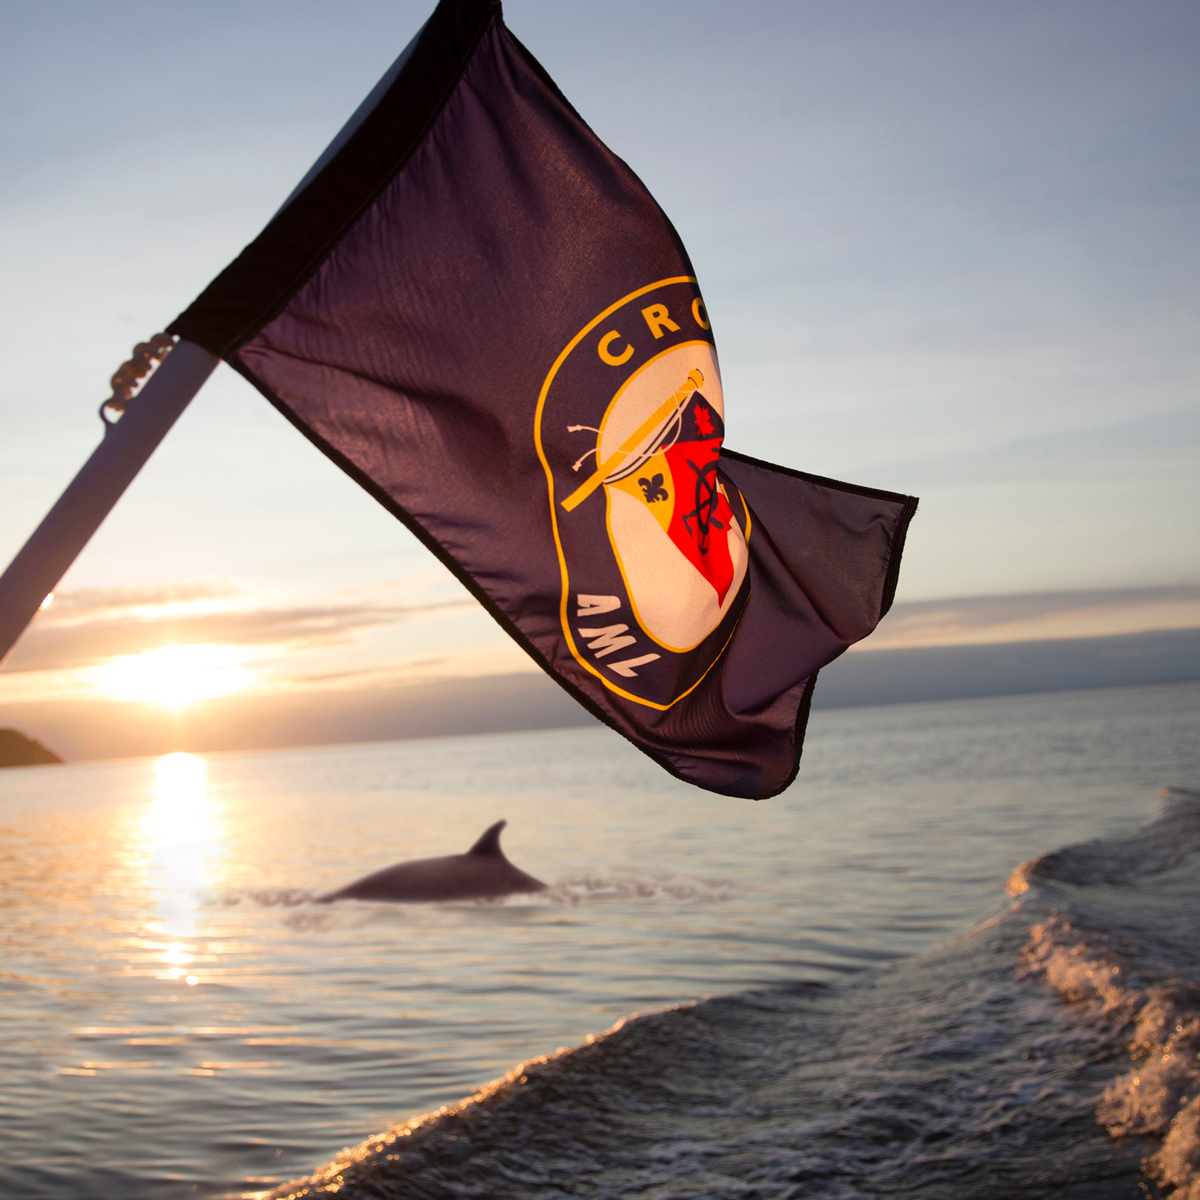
<point x="681" y="553"/>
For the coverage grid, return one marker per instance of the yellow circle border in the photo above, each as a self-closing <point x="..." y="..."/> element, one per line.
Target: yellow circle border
<point x="562" y="560"/>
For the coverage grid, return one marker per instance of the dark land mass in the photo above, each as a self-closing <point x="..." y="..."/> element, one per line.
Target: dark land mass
<point x="17" y="750"/>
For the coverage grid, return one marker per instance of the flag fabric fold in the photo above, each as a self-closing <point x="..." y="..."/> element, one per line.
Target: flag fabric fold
<point x="478" y="311"/>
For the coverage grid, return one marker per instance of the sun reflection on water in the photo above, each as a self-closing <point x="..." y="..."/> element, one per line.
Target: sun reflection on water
<point x="183" y="837"/>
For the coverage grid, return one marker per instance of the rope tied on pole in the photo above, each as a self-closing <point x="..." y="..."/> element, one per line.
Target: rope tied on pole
<point x="146" y="356"/>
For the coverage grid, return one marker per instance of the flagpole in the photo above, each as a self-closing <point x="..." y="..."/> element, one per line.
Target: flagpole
<point x="67" y="527"/>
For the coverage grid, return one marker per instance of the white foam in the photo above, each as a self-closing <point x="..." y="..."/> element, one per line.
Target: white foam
<point x="1075" y="968"/>
<point x="1161" y="1095"/>
<point x="1177" y="1164"/>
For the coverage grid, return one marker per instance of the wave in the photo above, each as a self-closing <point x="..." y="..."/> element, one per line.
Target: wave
<point x="1131" y="949"/>
<point x="997" y="1066"/>
<point x="567" y="892"/>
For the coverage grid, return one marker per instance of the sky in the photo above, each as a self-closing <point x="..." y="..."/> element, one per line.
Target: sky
<point x="948" y="249"/>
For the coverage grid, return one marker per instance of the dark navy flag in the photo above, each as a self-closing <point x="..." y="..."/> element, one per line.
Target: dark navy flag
<point x="479" y="312"/>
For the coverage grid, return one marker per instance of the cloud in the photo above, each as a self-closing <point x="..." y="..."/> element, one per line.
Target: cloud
<point x="89" y="602"/>
<point x="983" y="620"/>
<point x="87" y="627"/>
<point x="84" y="628"/>
<point x="904" y="676"/>
<point x="370" y="677"/>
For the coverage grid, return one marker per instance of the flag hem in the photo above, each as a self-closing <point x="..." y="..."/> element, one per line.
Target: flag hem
<point x="799" y="732"/>
<point x="262" y="280"/>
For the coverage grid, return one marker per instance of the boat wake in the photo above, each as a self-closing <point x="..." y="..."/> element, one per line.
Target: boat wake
<point x="1050" y="1050"/>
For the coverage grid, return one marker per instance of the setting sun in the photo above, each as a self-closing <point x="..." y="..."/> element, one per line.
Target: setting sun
<point x="175" y="676"/>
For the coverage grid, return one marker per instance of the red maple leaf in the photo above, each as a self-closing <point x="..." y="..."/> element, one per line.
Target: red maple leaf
<point x="703" y="421"/>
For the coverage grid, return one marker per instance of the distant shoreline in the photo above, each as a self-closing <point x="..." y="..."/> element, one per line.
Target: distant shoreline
<point x="96" y="730"/>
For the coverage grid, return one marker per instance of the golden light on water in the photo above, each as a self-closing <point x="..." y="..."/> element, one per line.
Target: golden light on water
<point x="181" y="817"/>
<point x="177" y="955"/>
<point x="175" y="676"/>
<point x="183" y="837"/>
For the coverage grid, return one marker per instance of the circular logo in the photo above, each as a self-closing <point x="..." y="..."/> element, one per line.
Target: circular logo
<point x="651" y="537"/>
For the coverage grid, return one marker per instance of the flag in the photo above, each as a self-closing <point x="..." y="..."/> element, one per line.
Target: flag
<point x="478" y="311"/>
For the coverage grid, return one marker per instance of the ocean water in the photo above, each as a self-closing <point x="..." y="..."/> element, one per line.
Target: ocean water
<point x="839" y="996"/>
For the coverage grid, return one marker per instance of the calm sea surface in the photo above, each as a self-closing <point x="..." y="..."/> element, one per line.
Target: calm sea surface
<point x="180" y="1020"/>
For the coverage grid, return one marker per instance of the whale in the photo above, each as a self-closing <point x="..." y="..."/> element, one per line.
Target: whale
<point x="480" y="874"/>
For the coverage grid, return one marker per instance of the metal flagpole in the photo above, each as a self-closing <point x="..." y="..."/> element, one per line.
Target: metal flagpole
<point x="68" y="526"/>
<point x="128" y="442"/>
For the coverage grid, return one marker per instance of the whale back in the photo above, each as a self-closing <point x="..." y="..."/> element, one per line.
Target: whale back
<point x="483" y="872"/>
<point x="488" y="845"/>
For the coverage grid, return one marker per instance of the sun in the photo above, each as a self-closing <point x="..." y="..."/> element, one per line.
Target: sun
<point x="175" y="676"/>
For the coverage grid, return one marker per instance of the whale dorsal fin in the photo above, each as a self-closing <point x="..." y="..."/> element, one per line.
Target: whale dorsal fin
<point x="489" y="843"/>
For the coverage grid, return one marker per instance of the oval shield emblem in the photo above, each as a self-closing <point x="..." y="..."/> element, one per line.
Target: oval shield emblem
<point x="652" y="539"/>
